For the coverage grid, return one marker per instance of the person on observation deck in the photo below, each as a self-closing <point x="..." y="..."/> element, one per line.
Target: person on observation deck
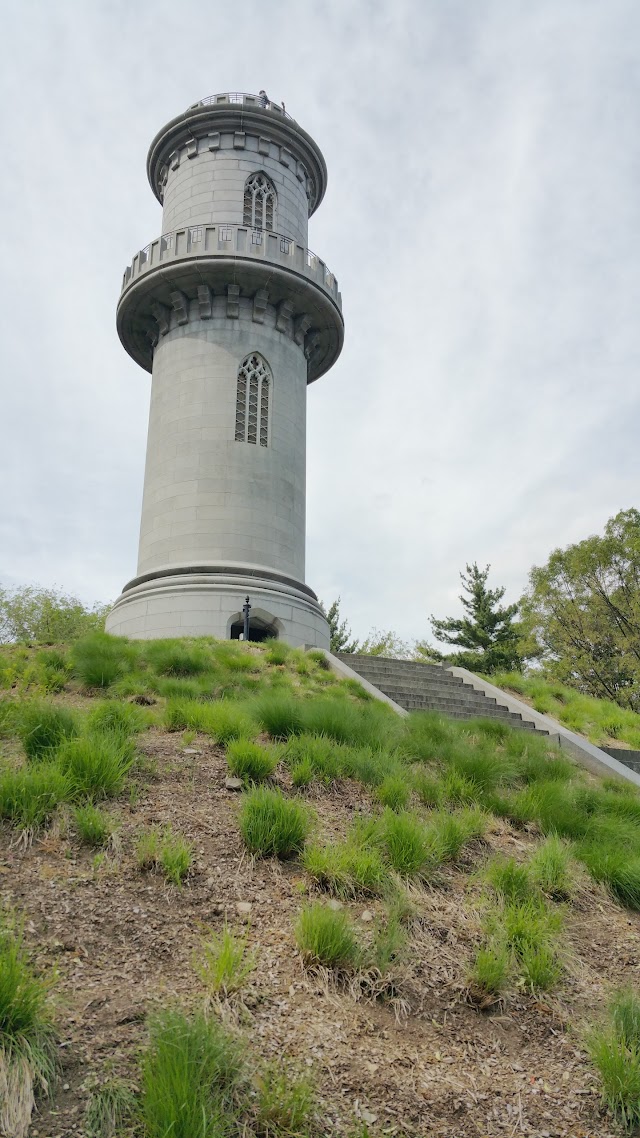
<point x="264" y="99"/>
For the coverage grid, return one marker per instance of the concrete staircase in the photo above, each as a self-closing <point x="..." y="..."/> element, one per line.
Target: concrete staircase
<point x="430" y="687"/>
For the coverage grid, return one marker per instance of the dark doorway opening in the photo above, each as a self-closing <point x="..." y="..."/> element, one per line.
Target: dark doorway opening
<point x="258" y="630"/>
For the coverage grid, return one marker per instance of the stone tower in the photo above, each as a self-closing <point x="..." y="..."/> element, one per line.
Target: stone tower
<point x="233" y="315"/>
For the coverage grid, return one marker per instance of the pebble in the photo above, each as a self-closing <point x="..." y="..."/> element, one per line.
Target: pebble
<point x="233" y="783"/>
<point x="367" y="915"/>
<point x="368" y="1117"/>
<point x="191" y="751"/>
<point x="333" y="904"/>
<point x="243" y="908"/>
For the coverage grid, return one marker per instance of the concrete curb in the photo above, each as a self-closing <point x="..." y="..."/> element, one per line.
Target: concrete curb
<point x="591" y="757"/>
<point x="346" y="673"/>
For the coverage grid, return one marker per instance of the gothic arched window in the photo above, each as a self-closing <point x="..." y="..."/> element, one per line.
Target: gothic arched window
<point x="252" y="401"/>
<point x="260" y="202"/>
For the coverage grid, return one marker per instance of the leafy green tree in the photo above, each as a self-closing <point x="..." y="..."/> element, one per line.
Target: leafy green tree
<point x="339" y="629"/>
<point x="31" y="615"/>
<point x="583" y="610"/>
<point x="487" y="631"/>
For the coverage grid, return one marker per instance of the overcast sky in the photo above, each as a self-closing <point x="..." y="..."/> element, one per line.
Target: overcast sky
<point x="482" y="217"/>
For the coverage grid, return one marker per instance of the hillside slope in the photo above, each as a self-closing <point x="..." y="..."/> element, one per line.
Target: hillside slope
<point x="480" y="952"/>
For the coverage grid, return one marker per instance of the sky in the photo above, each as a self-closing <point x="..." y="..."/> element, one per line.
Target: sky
<point x="482" y="217"/>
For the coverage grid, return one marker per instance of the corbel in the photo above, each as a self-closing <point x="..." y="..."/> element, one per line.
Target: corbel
<point x="233" y="301"/>
<point x="180" y="304"/>
<point x="300" y="328"/>
<point x="161" y="313"/>
<point x="283" y="319"/>
<point x="260" y="305"/>
<point x="204" y="301"/>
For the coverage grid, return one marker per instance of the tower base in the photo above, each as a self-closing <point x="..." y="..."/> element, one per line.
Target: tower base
<point x="209" y="602"/>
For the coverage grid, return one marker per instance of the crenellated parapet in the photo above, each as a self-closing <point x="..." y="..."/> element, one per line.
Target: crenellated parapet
<point x="196" y="270"/>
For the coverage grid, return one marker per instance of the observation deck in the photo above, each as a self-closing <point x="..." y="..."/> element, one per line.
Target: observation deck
<point x="168" y="275"/>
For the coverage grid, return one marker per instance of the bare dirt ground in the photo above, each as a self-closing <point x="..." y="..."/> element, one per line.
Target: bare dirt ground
<point x="122" y="942"/>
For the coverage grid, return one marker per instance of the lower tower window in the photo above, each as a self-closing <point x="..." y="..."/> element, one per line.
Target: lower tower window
<point x="252" y="401"/>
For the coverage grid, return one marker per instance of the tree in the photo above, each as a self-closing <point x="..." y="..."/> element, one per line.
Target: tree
<point x="31" y="615"/>
<point x="583" y="610"/>
<point x="339" y="630"/>
<point x="487" y="631"/>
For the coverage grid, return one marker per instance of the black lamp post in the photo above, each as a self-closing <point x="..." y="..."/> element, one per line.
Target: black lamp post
<point x="246" y="609"/>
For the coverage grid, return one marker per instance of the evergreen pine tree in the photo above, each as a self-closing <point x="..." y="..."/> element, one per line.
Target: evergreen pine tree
<point x="339" y="630"/>
<point x="486" y="631"/>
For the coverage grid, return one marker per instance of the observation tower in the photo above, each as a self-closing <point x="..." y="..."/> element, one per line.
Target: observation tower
<point x="233" y="315"/>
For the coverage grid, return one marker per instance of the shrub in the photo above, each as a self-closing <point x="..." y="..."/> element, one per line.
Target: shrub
<point x="99" y="659"/>
<point x="345" y="868"/>
<point x="31" y="795"/>
<point x="42" y="727"/>
<point x="223" y="962"/>
<point x="188" y="1074"/>
<point x="93" y="826"/>
<point x="394" y="791"/>
<point x="272" y="825"/>
<point x="327" y="937"/>
<point x="176" y="658"/>
<point x="250" y="761"/>
<point x="95" y="765"/>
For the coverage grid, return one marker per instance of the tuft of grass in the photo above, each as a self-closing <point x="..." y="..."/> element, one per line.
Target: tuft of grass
<point x="272" y="825"/>
<point x="111" y="1106"/>
<point x="278" y="652"/>
<point x="346" y="722"/>
<point x="550" y="868"/>
<point x="94" y="826"/>
<point x="346" y="869"/>
<point x="250" y="761"/>
<point x="111" y="717"/>
<point x="510" y="880"/>
<point x="530" y="932"/>
<point x="188" y="1075"/>
<point x="228" y="719"/>
<point x="176" y="658"/>
<point x="95" y="765"/>
<point x="31" y="795"/>
<point x="614" y="1048"/>
<point x="42" y="727"/>
<point x="327" y="937"/>
<point x="394" y="791"/>
<point x="406" y="844"/>
<point x="283" y="1102"/>
<point x="490" y="971"/>
<point x="624" y="1010"/>
<point x="148" y="849"/>
<point x="99" y="659"/>
<point x="280" y="716"/>
<point x="167" y="851"/>
<point x="223" y="962"/>
<point x="615" y="867"/>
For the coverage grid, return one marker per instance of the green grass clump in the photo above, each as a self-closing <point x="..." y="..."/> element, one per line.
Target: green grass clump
<point x="327" y="937"/>
<point x="110" y="1107"/>
<point x="250" y="761"/>
<point x="176" y="657"/>
<point x="314" y="753"/>
<point x="346" y="869"/>
<point x="272" y="825"/>
<point x="614" y="1048"/>
<point x="167" y="851"/>
<point x="42" y="727"/>
<point x="223" y="962"/>
<point x="96" y="765"/>
<point x="228" y="719"/>
<point x="279" y="716"/>
<point x="616" y="867"/>
<point x="346" y="722"/>
<point x="94" y="827"/>
<point x="284" y="1103"/>
<point x="394" y="791"/>
<point x="99" y="659"/>
<point x="31" y="795"/>
<point x="490" y="970"/>
<point x="278" y="652"/>
<point x="510" y="880"/>
<point x="184" y="714"/>
<point x="530" y="932"/>
<point x="188" y="1075"/>
<point x="550" y="868"/>
<point x="111" y="717"/>
<point x="407" y="845"/>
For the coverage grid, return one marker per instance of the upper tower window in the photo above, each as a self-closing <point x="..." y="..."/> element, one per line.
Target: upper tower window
<point x="260" y="202"/>
<point x="252" y="401"/>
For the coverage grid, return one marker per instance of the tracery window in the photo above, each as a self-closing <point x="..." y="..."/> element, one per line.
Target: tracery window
<point x="252" y="401"/>
<point x="260" y="202"/>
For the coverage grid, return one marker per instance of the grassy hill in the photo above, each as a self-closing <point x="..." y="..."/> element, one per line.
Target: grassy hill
<point x="242" y="898"/>
<point x="601" y="721"/>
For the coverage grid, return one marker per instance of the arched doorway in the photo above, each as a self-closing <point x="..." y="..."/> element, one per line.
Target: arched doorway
<point x="262" y="626"/>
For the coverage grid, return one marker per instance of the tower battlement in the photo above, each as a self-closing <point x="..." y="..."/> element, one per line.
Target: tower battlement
<point x="234" y="316"/>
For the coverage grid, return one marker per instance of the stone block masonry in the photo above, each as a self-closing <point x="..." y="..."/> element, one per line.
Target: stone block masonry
<point x="234" y="316"/>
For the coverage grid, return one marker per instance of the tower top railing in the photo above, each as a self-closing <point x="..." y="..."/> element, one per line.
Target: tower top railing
<point x="244" y="99"/>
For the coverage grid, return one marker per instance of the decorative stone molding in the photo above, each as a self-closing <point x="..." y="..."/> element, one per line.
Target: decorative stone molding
<point x="264" y="146"/>
<point x="205" y="297"/>
<point x="192" y="148"/>
<point x="300" y="328"/>
<point x="160" y="312"/>
<point x="174" y="159"/>
<point x="239" y="140"/>
<point x="213" y="140"/>
<point x="283" y="319"/>
<point x="233" y="301"/>
<point x="260" y="301"/>
<point x="180" y="306"/>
